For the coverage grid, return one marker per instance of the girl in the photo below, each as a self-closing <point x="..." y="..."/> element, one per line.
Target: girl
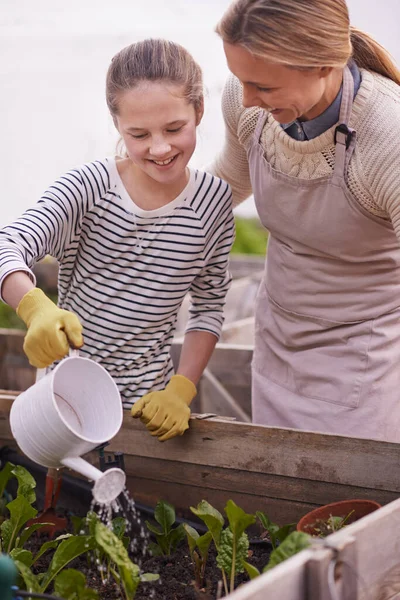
<point x="312" y="116"/>
<point x="132" y="237"/>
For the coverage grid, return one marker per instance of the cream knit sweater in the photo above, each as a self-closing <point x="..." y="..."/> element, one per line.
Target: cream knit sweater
<point x="373" y="176"/>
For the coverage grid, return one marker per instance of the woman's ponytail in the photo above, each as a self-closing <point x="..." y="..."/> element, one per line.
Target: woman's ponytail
<point x="369" y="54"/>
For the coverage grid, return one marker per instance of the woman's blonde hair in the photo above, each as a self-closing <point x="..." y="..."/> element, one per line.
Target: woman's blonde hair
<point x="303" y="33"/>
<point x="154" y="60"/>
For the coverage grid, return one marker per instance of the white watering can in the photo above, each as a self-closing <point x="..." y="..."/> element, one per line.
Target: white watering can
<point x="66" y="413"/>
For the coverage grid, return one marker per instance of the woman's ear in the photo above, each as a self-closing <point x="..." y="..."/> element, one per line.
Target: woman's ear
<point x="199" y="112"/>
<point x="324" y="71"/>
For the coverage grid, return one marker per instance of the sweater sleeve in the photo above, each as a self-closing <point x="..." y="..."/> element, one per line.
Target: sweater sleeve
<point x="209" y="289"/>
<point x="231" y="163"/>
<point x="48" y="227"/>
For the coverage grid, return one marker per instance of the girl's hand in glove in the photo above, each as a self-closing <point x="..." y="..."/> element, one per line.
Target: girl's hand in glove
<point x="51" y="330"/>
<point x="166" y="413"/>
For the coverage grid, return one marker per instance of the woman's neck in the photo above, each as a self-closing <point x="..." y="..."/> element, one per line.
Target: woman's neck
<point x="333" y="83"/>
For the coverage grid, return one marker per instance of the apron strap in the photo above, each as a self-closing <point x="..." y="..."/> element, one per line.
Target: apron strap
<point x="345" y="137"/>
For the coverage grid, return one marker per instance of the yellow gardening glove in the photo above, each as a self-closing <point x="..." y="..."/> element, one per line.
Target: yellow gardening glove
<point x="166" y="413"/>
<point x="51" y="330"/>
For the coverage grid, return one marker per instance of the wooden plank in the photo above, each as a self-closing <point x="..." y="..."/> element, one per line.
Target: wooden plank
<point x="239" y="332"/>
<point x="243" y="265"/>
<point x="287" y="581"/>
<point x="378" y="549"/>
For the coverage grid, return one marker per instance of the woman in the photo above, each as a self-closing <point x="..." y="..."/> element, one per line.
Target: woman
<point x="312" y="116"/>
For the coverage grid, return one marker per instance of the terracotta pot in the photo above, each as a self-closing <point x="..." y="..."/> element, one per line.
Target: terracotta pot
<point x="336" y="509"/>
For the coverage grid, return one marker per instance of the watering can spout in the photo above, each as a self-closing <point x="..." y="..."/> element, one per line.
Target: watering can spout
<point x="107" y="486"/>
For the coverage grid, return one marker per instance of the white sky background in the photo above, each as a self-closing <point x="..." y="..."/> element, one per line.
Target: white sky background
<point x="54" y="57"/>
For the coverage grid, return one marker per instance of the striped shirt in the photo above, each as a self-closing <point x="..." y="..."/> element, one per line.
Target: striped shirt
<point x="125" y="271"/>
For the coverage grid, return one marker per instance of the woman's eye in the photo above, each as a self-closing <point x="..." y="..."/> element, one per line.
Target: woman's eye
<point x="262" y="89"/>
<point x="141" y="136"/>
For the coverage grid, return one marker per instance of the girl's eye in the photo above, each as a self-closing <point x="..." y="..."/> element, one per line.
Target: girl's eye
<point x="138" y="137"/>
<point x="262" y="89"/>
<point x="175" y="130"/>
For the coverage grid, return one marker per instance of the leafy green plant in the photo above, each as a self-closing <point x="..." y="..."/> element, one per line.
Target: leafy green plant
<point x="15" y="533"/>
<point x="111" y="553"/>
<point x="292" y="544"/>
<point x="232" y="543"/>
<point x="198" y="548"/>
<point x="167" y="536"/>
<point x="276" y="533"/>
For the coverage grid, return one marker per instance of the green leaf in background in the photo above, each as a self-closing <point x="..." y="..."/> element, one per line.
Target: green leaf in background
<point x="231" y="553"/>
<point x="111" y="545"/>
<point x="251" y="570"/>
<point x="211" y="517"/>
<point x="20" y="512"/>
<point x="251" y="237"/>
<point x="71" y="585"/>
<point x="26" y="483"/>
<point x="294" y="543"/>
<point x="239" y="521"/>
<point x="119" y="527"/>
<point x="164" y="514"/>
<point x="5" y="476"/>
<point x="275" y="532"/>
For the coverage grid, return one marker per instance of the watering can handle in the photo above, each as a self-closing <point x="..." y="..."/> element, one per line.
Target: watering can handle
<point x="40" y="373"/>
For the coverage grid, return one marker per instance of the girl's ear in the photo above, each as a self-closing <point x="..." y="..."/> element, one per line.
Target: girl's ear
<point x="199" y="112"/>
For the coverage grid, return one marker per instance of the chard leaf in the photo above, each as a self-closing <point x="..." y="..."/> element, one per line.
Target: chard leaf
<point x="149" y="577"/>
<point x="112" y="546"/>
<point x="251" y="570"/>
<point x="232" y="553"/>
<point x="71" y="585"/>
<point x="5" y="476"/>
<point x="239" y="521"/>
<point x="130" y="577"/>
<point x="203" y="544"/>
<point x="155" y="549"/>
<point x="175" y="536"/>
<point x="28" y="531"/>
<point x="192" y="537"/>
<point x="44" y="548"/>
<point x="24" y="556"/>
<point x="294" y="543"/>
<point x="119" y="526"/>
<point x="211" y="517"/>
<point x="20" y="512"/>
<point x="68" y="550"/>
<point x="164" y="514"/>
<point x="30" y="580"/>
<point x="26" y="483"/>
<point x="153" y="528"/>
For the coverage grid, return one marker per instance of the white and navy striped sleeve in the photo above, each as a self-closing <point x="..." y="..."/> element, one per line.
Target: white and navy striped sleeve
<point x="208" y="290"/>
<point x="50" y="226"/>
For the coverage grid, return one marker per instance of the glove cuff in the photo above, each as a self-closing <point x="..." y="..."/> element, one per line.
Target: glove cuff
<point x="182" y="387"/>
<point x="30" y="303"/>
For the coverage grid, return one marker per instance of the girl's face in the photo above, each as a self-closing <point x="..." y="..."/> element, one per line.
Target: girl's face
<point x="287" y="93"/>
<point x="158" y="127"/>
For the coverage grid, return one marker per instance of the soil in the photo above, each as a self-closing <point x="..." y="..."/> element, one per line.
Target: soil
<point x="176" y="573"/>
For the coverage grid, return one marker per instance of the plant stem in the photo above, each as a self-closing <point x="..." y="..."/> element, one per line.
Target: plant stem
<point x="232" y="587"/>
<point x="225" y="582"/>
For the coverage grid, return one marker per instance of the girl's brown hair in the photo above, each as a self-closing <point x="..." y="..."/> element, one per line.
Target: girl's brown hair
<point x="303" y="33"/>
<point x="154" y="60"/>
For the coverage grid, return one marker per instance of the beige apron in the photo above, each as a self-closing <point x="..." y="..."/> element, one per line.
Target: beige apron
<point x="327" y="342"/>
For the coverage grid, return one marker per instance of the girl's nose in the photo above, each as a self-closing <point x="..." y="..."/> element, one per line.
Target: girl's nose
<point x="159" y="147"/>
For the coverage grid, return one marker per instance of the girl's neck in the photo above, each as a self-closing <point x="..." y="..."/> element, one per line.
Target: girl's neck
<point x="145" y="192"/>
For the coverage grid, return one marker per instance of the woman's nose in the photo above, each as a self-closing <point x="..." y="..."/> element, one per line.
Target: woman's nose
<point x="159" y="147"/>
<point x="249" y="97"/>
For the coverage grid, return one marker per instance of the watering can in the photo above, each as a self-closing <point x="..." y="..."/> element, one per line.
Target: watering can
<point x="66" y="413"/>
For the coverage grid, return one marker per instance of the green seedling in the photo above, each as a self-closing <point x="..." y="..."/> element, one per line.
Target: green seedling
<point x="167" y="536"/>
<point x="275" y="533"/>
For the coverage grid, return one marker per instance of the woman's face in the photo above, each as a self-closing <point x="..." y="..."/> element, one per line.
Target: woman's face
<point x="287" y="93"/>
